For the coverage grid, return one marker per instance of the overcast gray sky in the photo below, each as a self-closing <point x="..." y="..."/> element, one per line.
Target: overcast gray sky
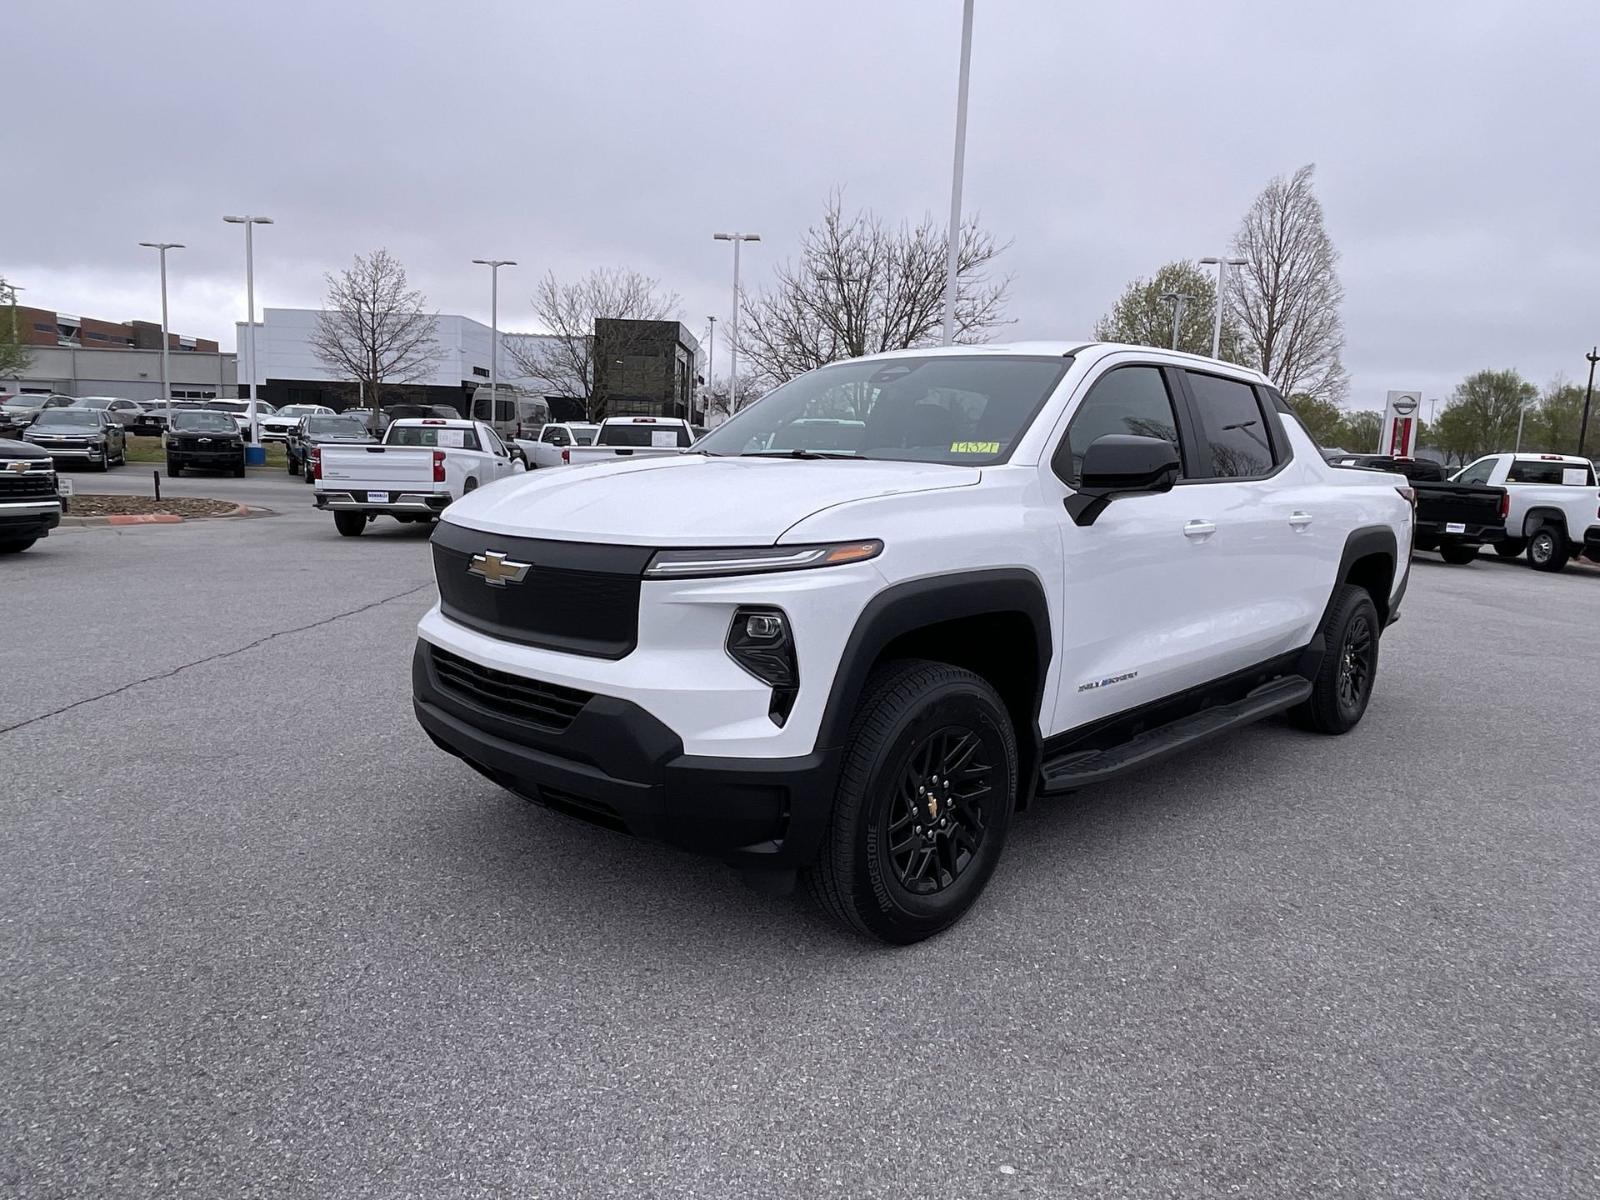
<point x="1453" y="142"/>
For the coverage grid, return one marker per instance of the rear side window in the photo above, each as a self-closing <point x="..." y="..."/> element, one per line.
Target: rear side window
<point x="1478" y="472"/>
<point x="435" y="436"/>
<point x="1525" y="470"/>
<point x="1125" y="400"/>
<point x="644" y="435"/>
<point x="1234" y="430"/>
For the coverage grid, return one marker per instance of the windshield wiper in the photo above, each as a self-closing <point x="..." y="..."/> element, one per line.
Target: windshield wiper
<point x="799" y="453"/>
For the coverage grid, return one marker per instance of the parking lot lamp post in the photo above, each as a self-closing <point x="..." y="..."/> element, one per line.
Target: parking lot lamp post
<point x="733" y="329"/>
<point x="1222" y="265"/>
<point x="494" y="265"/>
<point x="166" y="379"/>
<point x="1179" y="301"/>
<point x="249" y="224"/>
<point x="1588" y="394"/>
<point x="952" y="258"/>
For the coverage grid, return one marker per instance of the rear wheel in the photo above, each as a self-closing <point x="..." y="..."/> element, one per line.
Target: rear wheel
<point x="350" y="524"/>
<point x="1510" y="548"/>
<point x="925" y="797"/>
<point x="1547" y="550"/>
<point x="1458" y="555"/>
<point x="1343" y="683"/>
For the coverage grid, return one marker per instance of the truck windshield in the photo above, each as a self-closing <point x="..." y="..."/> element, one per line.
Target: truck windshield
<point x="1535" y="470"/>
<point x="958" y="409"/>
<point x="643" y="435"/>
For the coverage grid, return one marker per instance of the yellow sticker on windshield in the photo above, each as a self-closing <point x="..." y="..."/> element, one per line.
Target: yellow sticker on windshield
<point x="974" y="447"/>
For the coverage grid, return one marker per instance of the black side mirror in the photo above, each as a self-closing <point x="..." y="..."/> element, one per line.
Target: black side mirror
<point x="1121" y="464"/>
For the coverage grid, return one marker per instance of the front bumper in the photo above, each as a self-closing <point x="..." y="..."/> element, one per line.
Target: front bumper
<point x="73" y="453"/>
<point x="29" y="518"/>
<point x="207" y="458"/>
<point x="424" y="503"/>
<point x="616" y="765"/>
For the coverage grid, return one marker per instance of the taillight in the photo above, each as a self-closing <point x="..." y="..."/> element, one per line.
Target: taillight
<point x="316" y="462"/>
<point x="438" y="466"/>
<point x="1505" y="505"/>
<point x="1410" y="495"/>
<point x="566" y="457"/>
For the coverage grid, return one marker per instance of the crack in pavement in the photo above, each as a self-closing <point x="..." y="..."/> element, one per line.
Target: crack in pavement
<point x="211" y="658"/>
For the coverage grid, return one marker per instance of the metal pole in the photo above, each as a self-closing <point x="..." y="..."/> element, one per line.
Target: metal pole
<point x="1522" y="412"/>
<point x="957" y="170"/>
<point x="494" y="340"/>
<point x="733" y="337"/>
<point x="711" y="351"/>
<point x="250" y="303"/>
<point x="1588" y="395"/>
<point x="166" y="377"/>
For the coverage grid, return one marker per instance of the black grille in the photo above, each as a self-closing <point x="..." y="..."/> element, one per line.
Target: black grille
<point x="543" y="705"/>
<point x="575" y="597"/>
<point x="21" y="487"/>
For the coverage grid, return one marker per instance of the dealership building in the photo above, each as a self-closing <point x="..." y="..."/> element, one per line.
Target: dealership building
<point x="86" y="356"/>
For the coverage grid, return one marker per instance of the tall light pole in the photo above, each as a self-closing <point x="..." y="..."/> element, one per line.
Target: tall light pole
<point x="733" y="335"/>
<point x="1589" y="392"/>
<point x="957" y="171"/>
<point x="711" y="360"/>
<point x="494" y="265"/>
<point x="166" y="378"/>
<point x="249" y="224"/>
<point x="1179" y="301"/>
<point x="1222" y="265"/>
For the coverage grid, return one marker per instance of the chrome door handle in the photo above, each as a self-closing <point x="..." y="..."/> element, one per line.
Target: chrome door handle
<point x="1199" y="529"/>
<point x="1299" y="520"/>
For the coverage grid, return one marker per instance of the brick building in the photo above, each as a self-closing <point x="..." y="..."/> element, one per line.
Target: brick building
<point x="43" y="327"/>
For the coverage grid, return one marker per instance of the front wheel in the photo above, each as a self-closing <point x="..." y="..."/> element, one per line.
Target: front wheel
<point x="1510" y="548"/>
<point x="1547" y="550"/>
<point x="1458" y="556"/>
<point x="173" y="469"/>
<point x="350" y="524"/>
<point x="925" y="796"/>
<point x="288" y="465"/>
<point x="1343" y="683"/>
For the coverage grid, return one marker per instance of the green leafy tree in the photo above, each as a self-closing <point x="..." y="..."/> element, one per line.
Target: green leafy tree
<point x="1142" y="316"/>
<point x="1481" y="415"/>
<point x="1323" y="419"/>
<point x="1553" y="426"/>
<point x="15" y="357"/>
<point x="1360" y="431"/>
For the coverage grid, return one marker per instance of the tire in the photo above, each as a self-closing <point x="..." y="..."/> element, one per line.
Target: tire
<point x="1548" y="550"/>
<point x="1458" y="556"/>
<point x="914" y="716"/>
<point x="288" y="465"/>
<point x="309" y="478"/>
<point x="238" y="472"/>
<point x="16" y="545"/>
<point x="350" y="524"/>
<point x="104" y="464"/>
<point x="173" y="469"/>
<point x="1339" y="697"/>
<point x="1510" y="548"/>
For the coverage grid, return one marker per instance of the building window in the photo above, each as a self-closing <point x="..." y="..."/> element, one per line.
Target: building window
<point x="481" y="372"/>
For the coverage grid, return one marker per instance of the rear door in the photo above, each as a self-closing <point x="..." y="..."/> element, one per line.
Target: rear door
<point x="1278" y="525"/>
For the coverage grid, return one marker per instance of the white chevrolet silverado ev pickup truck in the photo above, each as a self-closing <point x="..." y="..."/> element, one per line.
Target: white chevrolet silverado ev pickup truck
<point x="1033" y="568"/>
<point x="1553" y="508"/>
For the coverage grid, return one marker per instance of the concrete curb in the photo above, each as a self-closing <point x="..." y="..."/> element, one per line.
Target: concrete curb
<point x="239" y="510"/>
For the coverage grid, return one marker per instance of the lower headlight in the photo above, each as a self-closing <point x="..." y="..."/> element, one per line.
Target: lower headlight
<point x="760" y="641"/>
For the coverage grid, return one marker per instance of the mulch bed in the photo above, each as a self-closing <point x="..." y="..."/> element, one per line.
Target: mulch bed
<point x="113" y="506"/>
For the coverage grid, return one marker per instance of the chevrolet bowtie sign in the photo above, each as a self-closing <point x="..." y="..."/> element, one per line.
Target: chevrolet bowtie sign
<point x="496" y="569"/>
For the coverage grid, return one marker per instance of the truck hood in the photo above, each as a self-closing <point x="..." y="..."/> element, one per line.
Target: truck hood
<point x="691" y="499"/>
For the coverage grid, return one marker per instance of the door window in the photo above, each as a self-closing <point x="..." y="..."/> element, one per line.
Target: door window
<point x="495" y="446"/>
<point x="1236" y="436"/>
<point x="1125" y="400"/>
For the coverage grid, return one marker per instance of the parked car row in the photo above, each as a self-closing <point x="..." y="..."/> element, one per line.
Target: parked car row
<point x="1546" y="506"/>
<point x="88" y="435"/>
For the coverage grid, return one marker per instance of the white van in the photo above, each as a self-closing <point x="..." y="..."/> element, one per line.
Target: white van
<point x="516" y="413"/>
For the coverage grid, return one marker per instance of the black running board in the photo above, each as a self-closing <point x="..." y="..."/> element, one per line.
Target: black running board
<point x="1081" y="768"/>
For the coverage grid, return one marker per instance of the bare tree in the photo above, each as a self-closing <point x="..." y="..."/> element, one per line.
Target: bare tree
<point x="565" y="358"/>
<point x="373" y="328"/>
<point x="1287" y="294"/>
<point x="861" y="287"/>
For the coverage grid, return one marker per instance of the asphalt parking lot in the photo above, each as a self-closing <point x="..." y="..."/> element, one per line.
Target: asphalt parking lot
<point x="261" y="939"/>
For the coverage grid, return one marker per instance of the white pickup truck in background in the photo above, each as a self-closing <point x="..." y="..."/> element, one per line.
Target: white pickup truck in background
<point x="545" y="449"/>
<point x="633" y="437"/>
<point x="1554" y="510"/>
<point x="413" y="475"/>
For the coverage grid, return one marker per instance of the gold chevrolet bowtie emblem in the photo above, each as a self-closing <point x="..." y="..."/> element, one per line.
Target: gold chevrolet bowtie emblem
<point x="19" y="467"/>
<point x="496" y="569"/>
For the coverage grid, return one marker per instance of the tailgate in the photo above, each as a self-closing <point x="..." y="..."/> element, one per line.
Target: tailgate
<point x="377" y="466"/>
<point x="1459" y="503"/>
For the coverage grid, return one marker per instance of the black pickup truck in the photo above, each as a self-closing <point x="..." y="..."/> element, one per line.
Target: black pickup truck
<point x="1456" y="519"/>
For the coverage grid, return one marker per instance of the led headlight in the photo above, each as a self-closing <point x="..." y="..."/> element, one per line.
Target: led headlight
<point x="752" y="560"/>
<point x="760" y="641"/>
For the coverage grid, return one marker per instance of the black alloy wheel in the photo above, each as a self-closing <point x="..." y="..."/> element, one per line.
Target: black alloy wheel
<point x="1357" y="665"/>
<point x="934" y="826"/>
